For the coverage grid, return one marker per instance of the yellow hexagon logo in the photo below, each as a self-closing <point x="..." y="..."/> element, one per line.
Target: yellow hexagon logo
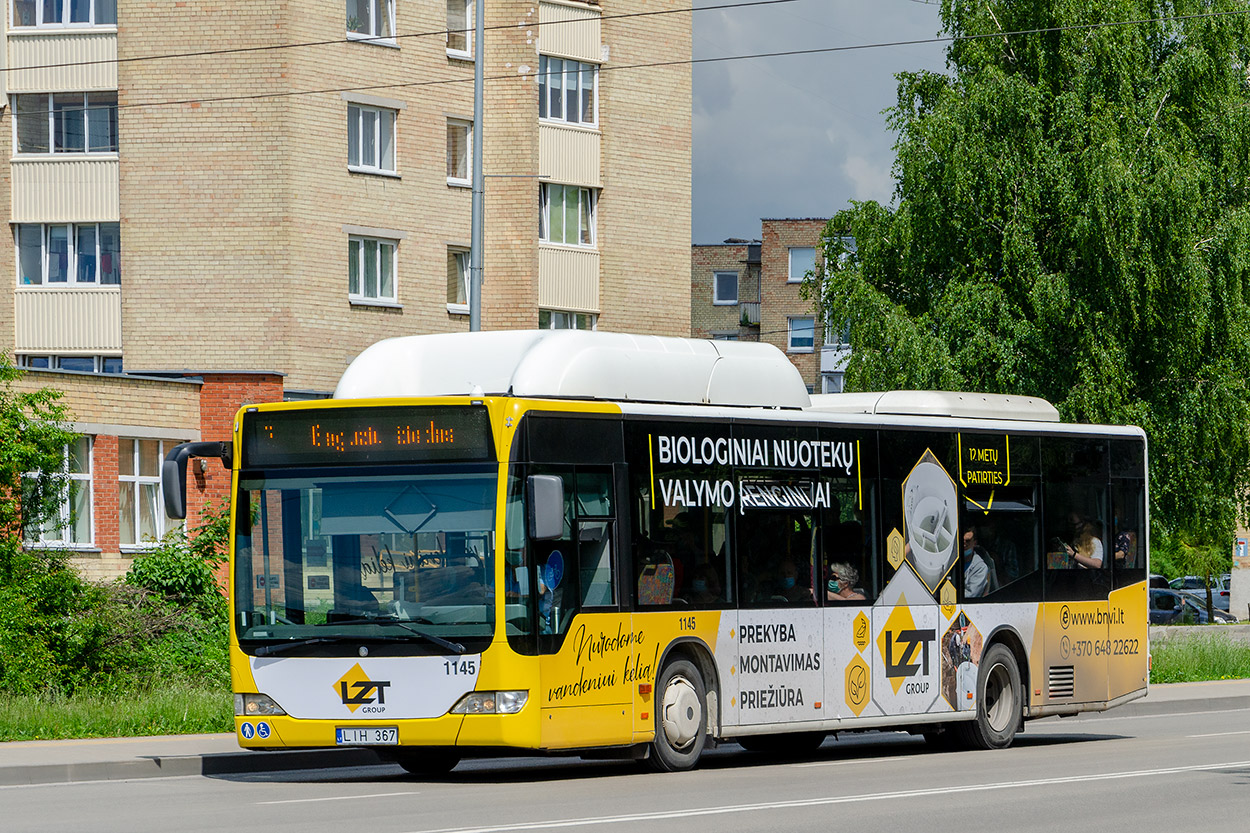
<point x="857" y="685"/>
<point x="894" y="548"/>
<point x="861" y="632"/>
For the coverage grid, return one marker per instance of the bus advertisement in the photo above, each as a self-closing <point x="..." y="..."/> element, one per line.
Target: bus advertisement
<point x="633" y="546"/>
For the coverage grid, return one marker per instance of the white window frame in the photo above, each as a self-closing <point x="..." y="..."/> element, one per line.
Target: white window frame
<point x="460" y="257"/>
<point x="558" y="319"/>
<point x="375" y="34"/>
<point x="40" y="7"/>
<point x="45" y="361"/>
<point x="717" y="300"/>
<point x="135" y="483"/>
<point x="47" y="113"/>
<point x="585" y="197"/>
<point x="793" y="325"/>
<point x="75" y="263"/>
<point x="790" y="276"/>
<point x="832" y="382"/>
<point x="465" y="126"/>
<point x="463" y="29"/>
<point x="382" y="121"/>
<point x="64" y="520"/>
<point x="372" y="290"/>
<point x="553" y="76"/>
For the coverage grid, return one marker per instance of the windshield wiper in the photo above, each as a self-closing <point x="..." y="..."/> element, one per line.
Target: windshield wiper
<point x="267" y="650"/>
<point x="446" y="644"/>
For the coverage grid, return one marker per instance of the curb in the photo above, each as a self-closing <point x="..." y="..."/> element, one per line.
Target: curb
<point x="167" y="766"/>
<point x="1147" y="707"/>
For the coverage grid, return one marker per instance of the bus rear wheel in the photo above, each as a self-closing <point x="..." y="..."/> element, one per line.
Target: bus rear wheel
<point x="680" y="718"/>
<point x="999" y="702"/>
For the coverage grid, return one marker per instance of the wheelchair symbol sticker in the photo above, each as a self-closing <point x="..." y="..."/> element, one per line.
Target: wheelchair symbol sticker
<point x="262" y="730"/>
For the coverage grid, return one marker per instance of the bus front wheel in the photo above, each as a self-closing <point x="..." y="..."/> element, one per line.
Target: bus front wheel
<point x="999" y="702"/>
<point x="680" y="718"/>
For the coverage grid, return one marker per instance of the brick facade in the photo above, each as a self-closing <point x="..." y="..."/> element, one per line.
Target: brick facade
<point x="712" y="320"/>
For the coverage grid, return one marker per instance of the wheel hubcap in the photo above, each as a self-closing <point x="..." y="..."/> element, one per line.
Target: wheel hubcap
<point x="999" y="699"/>
<point x="682" y="713"/>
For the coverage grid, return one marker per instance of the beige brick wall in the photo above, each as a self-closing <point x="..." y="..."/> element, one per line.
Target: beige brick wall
<point x="781" y="299"/>
<point x="122" y="400"/>
<point x="706" y="318"/>
<point x="644" y="216"/>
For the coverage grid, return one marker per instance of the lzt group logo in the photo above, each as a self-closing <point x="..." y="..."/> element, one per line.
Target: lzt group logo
<point x="355" y="689"/>
<point x="905" y="650"/>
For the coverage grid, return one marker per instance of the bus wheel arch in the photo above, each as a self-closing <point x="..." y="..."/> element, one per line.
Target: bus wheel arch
<point x="684" y="691"/>
<point x="999" y="701"/>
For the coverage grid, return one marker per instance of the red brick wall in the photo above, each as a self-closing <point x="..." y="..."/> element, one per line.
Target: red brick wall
<point x="104" y="483"/>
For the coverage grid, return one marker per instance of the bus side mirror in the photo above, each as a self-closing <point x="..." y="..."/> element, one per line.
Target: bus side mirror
<point x="544" y="502"/>
<point x="174" y="472"/>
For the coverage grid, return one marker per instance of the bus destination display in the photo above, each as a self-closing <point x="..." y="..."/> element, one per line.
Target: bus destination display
<point x="366" y="435"/>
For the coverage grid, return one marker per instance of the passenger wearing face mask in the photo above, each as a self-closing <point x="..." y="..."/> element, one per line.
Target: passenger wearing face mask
<point x="788" y="587"/>
<point x="979" y="578"/>
<point x="705" y="587"/>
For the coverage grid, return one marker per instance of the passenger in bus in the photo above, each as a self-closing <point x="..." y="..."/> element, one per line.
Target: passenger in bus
<point x="788" y="586"/>
<point x="843" y="584"/>
<point x="705" y="588"/>
<point x="1086" y="548"/>
<point x="1125" y="552"/>
<point x="979" y="574"/>
<point x="1003" y="552"/>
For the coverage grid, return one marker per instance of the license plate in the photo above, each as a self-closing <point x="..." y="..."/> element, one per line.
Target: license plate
<point x="366" y="736"/>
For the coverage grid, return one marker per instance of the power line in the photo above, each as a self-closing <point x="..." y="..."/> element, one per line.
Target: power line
<point x="379" y="39"/>
<point x="694" y="61"/>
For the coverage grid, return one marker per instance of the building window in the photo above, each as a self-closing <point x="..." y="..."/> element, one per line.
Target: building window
<point x="554" y="319"/>
<point x="802" y="261"/>
<point x="64" y="254"/>
<point x="70" y="523"/>
<point x="458" y="281"/>
<point x="459" y="152"/>
<point x="831" y="382"/>
<point x="837" y="337"/>
<point x="371" y="19"/>
<point x="566" y="214"/>
<point x="725" y="336"/>
<point x="370" y="139"/>
<point x="64" y="12"/>
<point x="802" y="334"/>
<point x="371" y="269"/>
<point x="83" y="364"/>
<point x="460" y="28"/>
<point x="141" y="509"/>
<point x="568" y="91"/>
<point x="66" y="122"/>
<point x="724" y="288"/>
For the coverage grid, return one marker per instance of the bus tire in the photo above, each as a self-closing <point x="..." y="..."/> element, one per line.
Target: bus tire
<point x="427" y="763"/>
<point x="680" y="718"/>
<point x="999" y="702"/>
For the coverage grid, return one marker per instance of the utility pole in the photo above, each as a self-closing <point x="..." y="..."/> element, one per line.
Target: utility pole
<point x="479" y="181"/>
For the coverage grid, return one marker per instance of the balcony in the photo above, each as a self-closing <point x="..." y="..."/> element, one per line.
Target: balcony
<point x="568" y="278"/>
<point x="70" y="59"/>
<point x="750" y="314"/>
<point x="68" y="319"/>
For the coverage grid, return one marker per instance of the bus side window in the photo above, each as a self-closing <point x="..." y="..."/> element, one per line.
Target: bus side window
<point x="1078" y="561"/>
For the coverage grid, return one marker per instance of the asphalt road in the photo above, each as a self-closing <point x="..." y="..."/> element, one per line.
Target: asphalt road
<point x="1099" y="773"/>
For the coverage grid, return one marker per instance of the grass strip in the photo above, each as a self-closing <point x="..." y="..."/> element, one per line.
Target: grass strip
<point x="1197" y="657"/>
<point x="173" y="710"/>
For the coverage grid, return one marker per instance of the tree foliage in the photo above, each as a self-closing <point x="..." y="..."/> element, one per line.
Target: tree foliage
<point x="1072" y="220"/>
<point x="33" y="436"/>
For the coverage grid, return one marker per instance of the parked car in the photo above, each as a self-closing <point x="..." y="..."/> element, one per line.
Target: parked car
<point x="1196" y="586"/>
<point x="1171" y="607"/>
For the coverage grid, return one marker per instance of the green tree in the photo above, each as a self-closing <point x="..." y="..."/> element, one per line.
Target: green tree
<point x="33" y="437"/>
<point x="1072" y="220"/>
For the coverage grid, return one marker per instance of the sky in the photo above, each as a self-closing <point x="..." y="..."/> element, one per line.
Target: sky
<point x="798" y="136"/>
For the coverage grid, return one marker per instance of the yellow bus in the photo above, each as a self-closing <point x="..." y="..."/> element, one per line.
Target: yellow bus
<point x="613" y="545"/>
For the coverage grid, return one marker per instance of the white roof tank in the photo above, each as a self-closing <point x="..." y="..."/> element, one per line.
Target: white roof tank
<point x="938" y="403"/>
<point x="576" y="364"/>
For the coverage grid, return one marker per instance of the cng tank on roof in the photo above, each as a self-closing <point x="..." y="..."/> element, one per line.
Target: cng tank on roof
<point x="576" y="364"/>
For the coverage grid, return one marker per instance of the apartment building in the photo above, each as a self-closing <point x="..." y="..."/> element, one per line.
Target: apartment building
<point x="750" y="290"/>
<point x="219" y="203"/>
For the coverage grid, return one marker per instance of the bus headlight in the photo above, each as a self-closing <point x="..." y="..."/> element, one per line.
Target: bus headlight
<point x="491" y="702"/>
<point x="255" y="705"/>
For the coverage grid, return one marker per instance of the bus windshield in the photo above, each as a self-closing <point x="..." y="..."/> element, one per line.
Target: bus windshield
<point x="327" y="560"/>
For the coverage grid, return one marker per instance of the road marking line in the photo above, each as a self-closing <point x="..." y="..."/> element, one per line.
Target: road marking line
<point x="1218" y="734"/>
<point x="335" y="798"/>
<point x="634" y="818"/>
